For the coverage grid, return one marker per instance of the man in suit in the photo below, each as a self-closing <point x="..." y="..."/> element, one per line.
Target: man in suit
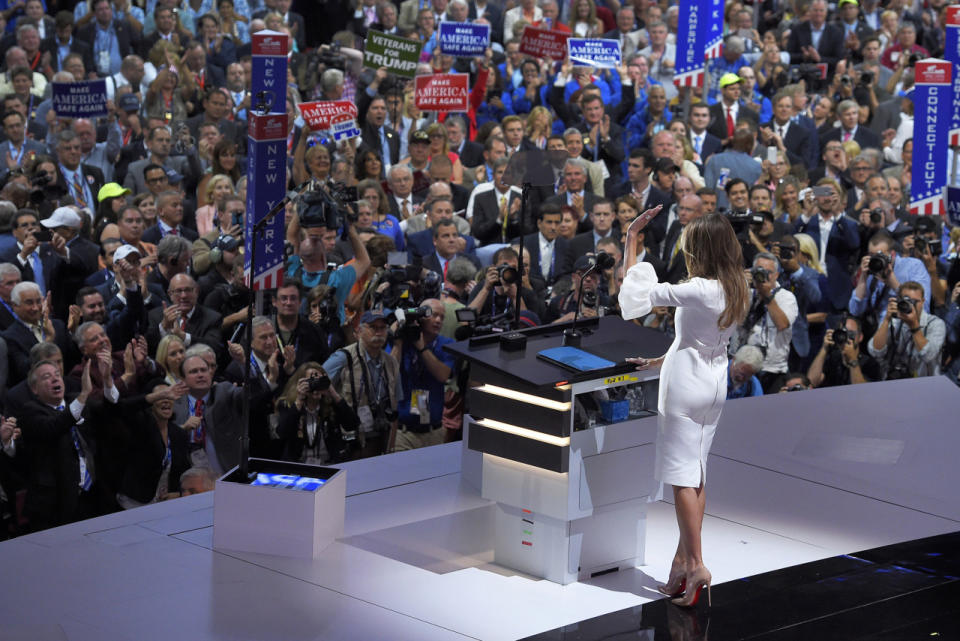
<point x="512" y="127"/>
<point x="402" y="201"/>
<point x="213" y="413"/>
<point x="440" y="208"/>
<point x="574" y="194"/>
<point x="639" y="166"/>
<point x="490" y="12"/>
<point x="494" y="209"/>
<point x="159" y="141"/>
<point x="62" y="42"/>
<point x="206" y="75"/>
<point x="601" y="218"/>
<point x="470" y="153"/>
<point x="798" y="143"/>
<point x="440" y="172"/>
<point x="814" y="40"/>
<point x="59" y="441"/>
<point x="298" y="27"/>
<point x="550" y="255"/>
<point x="17" y="149"/>
<point x="168" y="28"/>
<point x="689" y="208"/>
<point x="725" y="113"/>
<point x="9" y="278"/>
<point x="375" y="134"/>
<point x="446" y="246"/>
<point x="111" y="40"/>
<point x="38" y="262"/>
<point x="169" y="219"/>
<point x="193" y="323"/>
<point x="82" y="182"/>
<point x="216" y="110"/>
<point x="850" y="128"/>
<point x="606" y="137"/>
<point x="625" y="34"/>
<point x="80" y="256"/>
<point x="30" y="328"/>
<point x="855" y="29"/>
<point x="704" y="143"/>
<point x="842" y="244"/>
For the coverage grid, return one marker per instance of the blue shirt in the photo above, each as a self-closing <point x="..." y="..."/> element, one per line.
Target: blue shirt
<point x="748" y="388"/>
<point x="106" y="41"/>
<point x="414" y="375"/>
<point x="878" y="293"/>
<point x="341" y="279"/>
<point x="338" y="360"/>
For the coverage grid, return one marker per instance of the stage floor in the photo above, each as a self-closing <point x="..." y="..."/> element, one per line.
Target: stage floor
<point x="793" y="479"/>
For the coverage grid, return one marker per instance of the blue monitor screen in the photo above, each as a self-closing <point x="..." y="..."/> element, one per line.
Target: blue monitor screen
<point x="289" y="481"/>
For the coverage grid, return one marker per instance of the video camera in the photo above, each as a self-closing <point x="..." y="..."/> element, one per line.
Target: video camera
<point x="481" y="325"/>
<point x="743" y="221"/>
<point x="408" y="285"/>
<point x="408" y="322"/>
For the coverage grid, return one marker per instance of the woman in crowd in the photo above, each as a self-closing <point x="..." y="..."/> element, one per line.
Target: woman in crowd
<point x="217" y="188"/>
<point x="371" y="191"/>
<point x="539" y="126"/>
<point x="314" y="423"/>
<point x="234" y="24"/>
<point x="786" y="203"/>
<point x="146" y="204"/>
<point x="165" y="97"/>
<point x="170" y="352"/>
<point x="159" y="449"/>
<point x="774" y="172"/>
<point x="693" y="373"/>
<point x="310" y="163"/>
<point x="583" y="21"/>
<point x="368" y="165"/>
<point x="439" y="146"/>
<point x="496" y="105"/>
<point x="568" y="223"/>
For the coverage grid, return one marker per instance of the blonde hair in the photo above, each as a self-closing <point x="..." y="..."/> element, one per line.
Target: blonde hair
<point x="163" y="349"/>
<point x="809" y="249"/>
<point x="215" y="180"/>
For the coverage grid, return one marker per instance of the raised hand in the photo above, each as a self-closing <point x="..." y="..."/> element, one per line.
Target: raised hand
<point x="641" y="221"/>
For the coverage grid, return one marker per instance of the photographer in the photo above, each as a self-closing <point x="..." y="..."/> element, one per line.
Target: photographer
<point x="562" y="308"/>
<point x="840" y="360"/>
<point x="322" y="312"/>
<point x="909" y="339"/>
<point x="498" y="294"/>
<point x="308" y="264"/>
<point x="881" y="272"/>
<point x="927" y="246"/>
<point x="369" y="380"/>
<point x="315" y="424"/>
<point x="425" y="367"/>
<point x="769" y="324"/>
<point x="803" y="282"/>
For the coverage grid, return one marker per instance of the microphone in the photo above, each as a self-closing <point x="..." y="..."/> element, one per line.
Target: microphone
<point x="603" y="260"/>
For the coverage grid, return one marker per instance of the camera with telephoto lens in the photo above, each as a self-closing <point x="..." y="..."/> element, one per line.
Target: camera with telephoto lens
<point x="507" y="275"/>
<point x="589" y="299"/>
<point x="846" y="81"/>
<point x="921" y="244"/>
<point x="787" y="252"/>
<point x="318" y="383"/>
<point x="840" y="337"/>
<point x="866" y="77"/>
<point x="904" y="305"/>
<point x="408" y="322"/>
<point x="876" y="215"/>
<point x="878" y="263"/>
<point x="760" y="275"/>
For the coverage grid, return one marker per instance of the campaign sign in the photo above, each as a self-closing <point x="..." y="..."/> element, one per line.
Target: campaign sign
<point x="344" y="129"/>
<point x="399" y="55"/>
<point x="932" y="99"/>
<point x="319" y="114"/>
<point x="689" y="64"/>
<point x="541" y="43"/>
<point x="601" y="53"/>
<point x="268" y="83"/>
<point x="952" y="198"/>
<point x="85" y="99"/>
<point x="951" y="52"/>
<point x="443" y="92"/>
<point x="464" y="39"/>
<point x="713" y="29"/>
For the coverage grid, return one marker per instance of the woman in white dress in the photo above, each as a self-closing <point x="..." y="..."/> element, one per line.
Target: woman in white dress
<point x="693" y="375"/>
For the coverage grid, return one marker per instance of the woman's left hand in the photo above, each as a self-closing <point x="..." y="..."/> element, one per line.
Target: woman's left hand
<point x="646" y="363"/>
<point x="641" y="221"/>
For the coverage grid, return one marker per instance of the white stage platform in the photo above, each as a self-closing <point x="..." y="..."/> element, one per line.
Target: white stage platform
<point x="793" y="478"/>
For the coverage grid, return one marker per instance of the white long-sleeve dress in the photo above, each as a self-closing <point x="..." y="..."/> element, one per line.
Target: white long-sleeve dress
<point x="693" y="378"/>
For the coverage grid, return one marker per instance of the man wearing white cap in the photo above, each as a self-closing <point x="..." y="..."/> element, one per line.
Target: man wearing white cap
<point x="79" y="254"/>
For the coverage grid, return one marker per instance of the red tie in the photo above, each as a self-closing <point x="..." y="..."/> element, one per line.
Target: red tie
<point x="846" y="136"/>
<point x="730" y="124"/>
<point x="198" y="434"/>
<point x="445" y="265"/>
<point x="174" y="232"/>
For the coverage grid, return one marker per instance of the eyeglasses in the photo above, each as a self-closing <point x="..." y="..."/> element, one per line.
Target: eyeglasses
<point x="860" y="169"/>
<point x="181" y="291"/>
<point x="157" y="179"/>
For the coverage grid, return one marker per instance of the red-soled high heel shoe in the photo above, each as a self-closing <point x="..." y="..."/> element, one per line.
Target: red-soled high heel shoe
<point x="695" y="581"/>
<point x="675" y="584"/>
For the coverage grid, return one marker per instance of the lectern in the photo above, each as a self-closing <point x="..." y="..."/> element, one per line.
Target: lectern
<point x="571" y="490"/>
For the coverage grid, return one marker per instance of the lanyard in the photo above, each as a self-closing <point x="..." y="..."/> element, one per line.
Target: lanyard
<point x="23" y="148"/>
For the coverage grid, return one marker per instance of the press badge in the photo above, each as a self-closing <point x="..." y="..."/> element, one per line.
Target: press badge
<point x="366" y="418"/>
<point x="420" y="405"/>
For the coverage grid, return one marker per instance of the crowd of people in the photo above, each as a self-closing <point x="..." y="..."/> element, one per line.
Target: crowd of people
<point x="124" y="304"/>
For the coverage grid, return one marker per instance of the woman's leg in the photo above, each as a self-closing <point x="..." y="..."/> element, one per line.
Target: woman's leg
<point x="690" y="503"/>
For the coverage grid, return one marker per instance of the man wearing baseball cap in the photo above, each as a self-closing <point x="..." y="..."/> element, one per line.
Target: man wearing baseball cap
<point x="369" y="380"/>
<point x="725" y="113"/>
<point x="80" y="254"/>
